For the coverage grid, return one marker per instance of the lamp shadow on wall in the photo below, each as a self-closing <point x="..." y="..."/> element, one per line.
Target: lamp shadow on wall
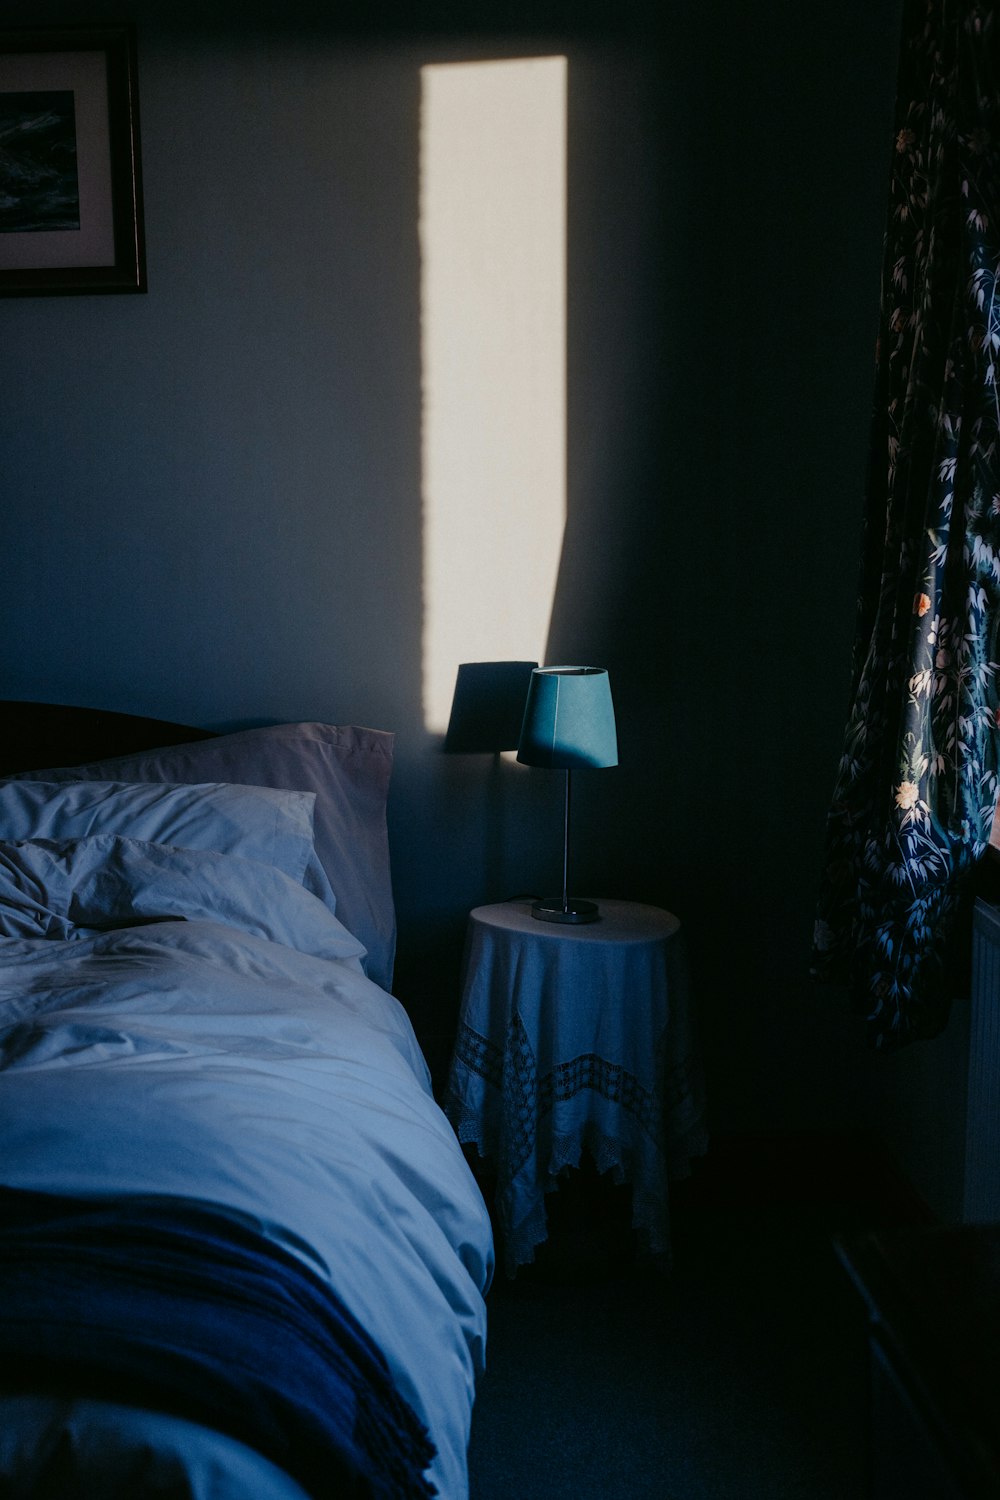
<point x="487" y="712"/>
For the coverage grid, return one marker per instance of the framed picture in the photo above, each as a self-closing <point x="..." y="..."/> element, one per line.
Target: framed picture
<point x="70" y="181"/>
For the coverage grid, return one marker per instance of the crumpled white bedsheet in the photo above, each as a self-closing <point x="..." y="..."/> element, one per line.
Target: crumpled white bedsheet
<point x="195" y="1058"/>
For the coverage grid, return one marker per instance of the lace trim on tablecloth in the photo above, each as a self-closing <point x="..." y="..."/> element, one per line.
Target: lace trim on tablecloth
<point x="649" y="1210"/>
<point x="479" y="1054"/>
<point x="675" y="1120"/>
<point x="670" y="1119"/>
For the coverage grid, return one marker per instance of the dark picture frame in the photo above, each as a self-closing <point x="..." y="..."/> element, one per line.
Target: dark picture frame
<point x="71" y="193"/>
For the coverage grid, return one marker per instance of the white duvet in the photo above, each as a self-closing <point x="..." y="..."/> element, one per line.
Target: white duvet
<point x="195" y="1024"/>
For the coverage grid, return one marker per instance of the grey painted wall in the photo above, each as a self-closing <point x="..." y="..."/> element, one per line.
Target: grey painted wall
<point x="211" y="493"/>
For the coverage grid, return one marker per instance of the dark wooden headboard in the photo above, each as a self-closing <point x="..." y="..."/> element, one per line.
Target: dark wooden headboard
<point x="34" y="736"/>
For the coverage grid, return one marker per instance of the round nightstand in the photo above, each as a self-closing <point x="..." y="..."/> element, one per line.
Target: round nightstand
<point x="577" y="1038"/>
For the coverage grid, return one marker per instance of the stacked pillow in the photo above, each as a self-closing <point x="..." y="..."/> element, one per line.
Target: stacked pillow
<point x="308" y="798"/>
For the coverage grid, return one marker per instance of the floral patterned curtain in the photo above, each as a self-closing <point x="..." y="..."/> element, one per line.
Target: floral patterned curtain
<point x="917" y="783"/>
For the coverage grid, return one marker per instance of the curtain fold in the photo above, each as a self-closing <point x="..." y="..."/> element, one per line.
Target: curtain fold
<point x="916" y="788"/>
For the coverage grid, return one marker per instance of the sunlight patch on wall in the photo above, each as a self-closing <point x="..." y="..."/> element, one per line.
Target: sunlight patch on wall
<point x="493" y="322"/>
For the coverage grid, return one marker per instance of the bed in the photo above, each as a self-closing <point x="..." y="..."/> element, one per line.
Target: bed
<point x="241" y="1250"/>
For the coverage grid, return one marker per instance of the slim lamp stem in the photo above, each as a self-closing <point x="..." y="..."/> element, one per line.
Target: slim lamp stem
<point x="565" y="908"/>
<point x="566" y="848"/>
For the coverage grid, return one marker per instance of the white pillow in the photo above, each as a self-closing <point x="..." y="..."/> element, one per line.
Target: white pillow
<point x="63" y="889"/>
<point x="348" y="769"/>
<point x="260" y="823"/>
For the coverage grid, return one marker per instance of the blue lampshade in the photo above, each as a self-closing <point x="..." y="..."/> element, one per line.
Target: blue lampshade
<point x="569" y="719"/>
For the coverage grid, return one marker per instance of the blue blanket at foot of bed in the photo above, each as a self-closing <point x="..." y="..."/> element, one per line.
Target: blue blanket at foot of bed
<point x="167" y="1304"/>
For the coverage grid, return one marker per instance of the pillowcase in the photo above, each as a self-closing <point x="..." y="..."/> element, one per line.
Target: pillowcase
<point x="274" y="827"/>
<point x="72" y="888"/>
<point x="347" y="768"/>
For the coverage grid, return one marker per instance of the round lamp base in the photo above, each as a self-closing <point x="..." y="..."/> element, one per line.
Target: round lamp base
<point x="555" y="909"/>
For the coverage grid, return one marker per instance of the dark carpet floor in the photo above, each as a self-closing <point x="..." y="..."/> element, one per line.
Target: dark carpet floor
<point x="742" y="1375"/>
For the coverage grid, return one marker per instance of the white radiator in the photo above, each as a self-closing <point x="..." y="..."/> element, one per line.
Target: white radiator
<point x="981" y="1203"/>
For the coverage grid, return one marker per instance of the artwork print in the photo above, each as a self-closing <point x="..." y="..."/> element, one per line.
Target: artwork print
<point x="70" y="171"/>
<point x="39" y="183"/>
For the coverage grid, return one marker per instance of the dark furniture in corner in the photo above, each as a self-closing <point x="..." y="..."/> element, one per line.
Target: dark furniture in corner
<point x="933" y="1303"/>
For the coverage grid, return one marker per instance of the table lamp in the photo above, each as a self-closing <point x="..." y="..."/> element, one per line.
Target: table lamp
<point x="569" y="723"/>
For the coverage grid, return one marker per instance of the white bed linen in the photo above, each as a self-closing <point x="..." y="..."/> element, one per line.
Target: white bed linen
<point x="197" y="1059"/>
<point x="79" y="1449"/>
<point x="253" y="822"/>
<point x="68" y="888"/>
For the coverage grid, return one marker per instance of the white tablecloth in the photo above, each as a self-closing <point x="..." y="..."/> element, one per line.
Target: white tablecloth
<point x="571" y="1038"/>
